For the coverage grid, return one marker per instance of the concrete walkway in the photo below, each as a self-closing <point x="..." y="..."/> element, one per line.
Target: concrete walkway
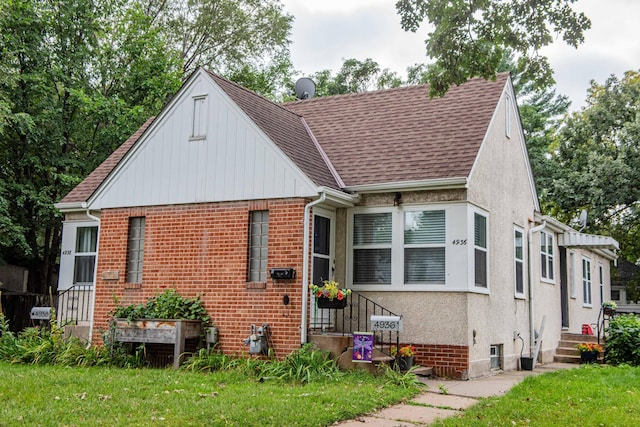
<point x="433" y="404"/>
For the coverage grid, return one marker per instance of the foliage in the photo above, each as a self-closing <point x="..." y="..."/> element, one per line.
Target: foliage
<point x="51" y="395"/>
<point x="166" y="305"/>
<point x="610" y="305"/>
<point x="330" y="289"/>
<point x="470" y="38"/>
<point x="623" y="340"/>
<point x="405" y="379"/>
<point x="589" y="347"/>
<point x="591" y="395"/>
<point x="405" y="351"/>
<point x="355" y="76"/>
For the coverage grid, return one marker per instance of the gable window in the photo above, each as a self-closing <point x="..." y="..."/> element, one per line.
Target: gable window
<point x="507" y="116"/>
<point x="519" y="261"/>
<point x="199" y="117"/>
<point x="424" y="247"/>
<point x="135" y="249"/>
<point x="586" y="282"/>
<point x="372" y="248"/>
<point x="258" y="246"/>
<point x="85" y="255"/>
<point x="480" y="249"/>
<point x="546" y="256"/>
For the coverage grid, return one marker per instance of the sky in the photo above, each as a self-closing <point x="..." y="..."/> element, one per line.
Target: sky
<point x="325" y="32"/>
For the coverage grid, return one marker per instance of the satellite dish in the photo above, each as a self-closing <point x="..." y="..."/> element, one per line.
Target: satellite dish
<point x="305" y="88"/>
<point x="583" y="219"/>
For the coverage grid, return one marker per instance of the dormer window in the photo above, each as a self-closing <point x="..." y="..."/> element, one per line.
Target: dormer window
<point x="198" y="119"/>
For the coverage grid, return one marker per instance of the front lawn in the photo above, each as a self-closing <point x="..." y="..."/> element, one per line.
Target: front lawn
<point x="588" y="396"/>
<point x="57" y="396"/>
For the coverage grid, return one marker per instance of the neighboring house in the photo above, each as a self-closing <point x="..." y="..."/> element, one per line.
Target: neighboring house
<point x="625" y="273"/>
<point x="425" y="206"/>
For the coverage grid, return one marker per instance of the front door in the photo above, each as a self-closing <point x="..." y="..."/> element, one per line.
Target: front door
<point x="323" y="260"/>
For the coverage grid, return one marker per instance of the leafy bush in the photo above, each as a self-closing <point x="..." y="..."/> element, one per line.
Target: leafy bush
<point x="167" y="305"/>
<point x="623" y="340"/>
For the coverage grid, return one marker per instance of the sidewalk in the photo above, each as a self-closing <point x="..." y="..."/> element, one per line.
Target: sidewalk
<point x="460" y="395"/>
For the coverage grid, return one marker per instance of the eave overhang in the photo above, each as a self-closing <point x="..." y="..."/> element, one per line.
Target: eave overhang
<point x="429" y="184"/>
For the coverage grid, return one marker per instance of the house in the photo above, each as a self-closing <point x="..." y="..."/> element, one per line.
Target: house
<point x="425" y="206"/>
<point x="625" y="274"/>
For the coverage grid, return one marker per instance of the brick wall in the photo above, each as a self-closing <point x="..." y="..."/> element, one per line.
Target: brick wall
<point x="450" y="361"/>
<point x="201" y="249"/>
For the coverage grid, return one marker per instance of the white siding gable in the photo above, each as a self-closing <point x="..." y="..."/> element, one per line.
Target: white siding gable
<point x="229" y="159"/>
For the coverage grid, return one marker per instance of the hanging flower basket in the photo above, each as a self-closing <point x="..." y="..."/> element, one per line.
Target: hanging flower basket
<point x="324" y="302"/>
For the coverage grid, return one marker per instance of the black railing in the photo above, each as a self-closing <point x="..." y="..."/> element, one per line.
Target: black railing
<point x="74" y="304"/>
<point x="355" y="317"/>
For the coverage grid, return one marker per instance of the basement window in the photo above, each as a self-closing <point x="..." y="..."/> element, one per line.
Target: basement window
<point x="496" y="356"/>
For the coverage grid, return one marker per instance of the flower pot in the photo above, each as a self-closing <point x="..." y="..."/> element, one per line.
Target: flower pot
<point x="608" y="311"/>
<point x="589" y="356"/>
<point x="404" y="363"/>
<point x="331" y="303"/>
<point x="526" y="363"/>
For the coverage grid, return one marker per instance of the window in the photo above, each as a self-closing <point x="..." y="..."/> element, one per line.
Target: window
<point x="424" y="251"/>
<point x="480" y="249"/>
<point x="572" y="274"/>
<point x="135" y="249"/>
<point x="601" y="279"/>
<point x="615" y="295"/>
<point x="258" y="246"/>
<point x="507" y="116"/>
<point x="519" y="261"/>
<point x="495" y="354"/>
<point x="199" y="119"/>
<point x="372" y="248"/>
<point x="85" y="255"/>
<point x="586" y="281"/>
<point x="546" y="255"/>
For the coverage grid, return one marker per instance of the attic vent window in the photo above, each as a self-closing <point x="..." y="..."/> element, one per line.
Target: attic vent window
<point x="198" y="119"/>
<point x="507" y="116"/>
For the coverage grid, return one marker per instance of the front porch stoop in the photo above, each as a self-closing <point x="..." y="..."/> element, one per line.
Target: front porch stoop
<point x="567" y="351"/>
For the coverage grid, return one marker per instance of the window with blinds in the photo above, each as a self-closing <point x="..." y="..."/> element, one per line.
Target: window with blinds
<point x="519" y="261"/>
<point x="424" y="247"/>
<point x="546" y="256"/>
<point x="480" y="249"/>
<point x="372" y="248"/>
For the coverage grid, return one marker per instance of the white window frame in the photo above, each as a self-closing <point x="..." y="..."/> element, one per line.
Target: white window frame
<point x="572" y="275"/>
<point x="480" y="248"/>
<point x="547" y="258"/>
<point x="601" y="280"/>
<point x="507" y="116"/>
<point x="438" y="245"/>
<point x="516" y="260"/>
<point x="68" y="253"/>
<point x="587" y="290"/>
<point x="90" y="254"/>
<point x="199" y="113"/>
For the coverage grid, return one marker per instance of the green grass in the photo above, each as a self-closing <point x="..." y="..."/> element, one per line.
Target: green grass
<point x="61" y="396"/>
<point x="587" y="396"/>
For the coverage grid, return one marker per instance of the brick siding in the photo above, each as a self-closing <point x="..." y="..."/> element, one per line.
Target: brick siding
<point x="450" y="361"/>
<point x="202" y="249"/>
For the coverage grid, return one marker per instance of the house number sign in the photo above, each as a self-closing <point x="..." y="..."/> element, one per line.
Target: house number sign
<point x="386" y="323"/>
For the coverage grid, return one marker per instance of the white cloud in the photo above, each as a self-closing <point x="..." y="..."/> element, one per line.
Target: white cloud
<point x="326" y="32"/>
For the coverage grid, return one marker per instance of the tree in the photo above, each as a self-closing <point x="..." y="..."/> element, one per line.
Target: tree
<point x="470" y="37"/>
<point x="355" y="76"/>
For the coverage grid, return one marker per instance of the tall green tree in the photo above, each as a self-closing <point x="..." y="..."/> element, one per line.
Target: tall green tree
<point x="470" y="37"/>
<point x="355" y="76"/>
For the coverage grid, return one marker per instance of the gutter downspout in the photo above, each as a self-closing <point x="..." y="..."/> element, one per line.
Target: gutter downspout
<point x="532" y="327"/>
<point x="95" y="280"/>
<point x="305" y="266"/>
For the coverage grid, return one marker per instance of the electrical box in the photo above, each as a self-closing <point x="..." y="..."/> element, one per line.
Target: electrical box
<point x="283" y="273"/>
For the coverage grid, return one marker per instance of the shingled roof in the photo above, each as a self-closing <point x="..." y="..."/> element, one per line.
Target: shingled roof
<point x="389" y="136"/>
<point x="401" y="135"/>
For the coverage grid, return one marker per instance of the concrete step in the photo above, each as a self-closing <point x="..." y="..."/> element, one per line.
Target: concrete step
<point x="577" y="338"/>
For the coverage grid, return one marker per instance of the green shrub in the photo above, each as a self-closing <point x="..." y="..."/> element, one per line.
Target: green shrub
<point x="623" y="340"/>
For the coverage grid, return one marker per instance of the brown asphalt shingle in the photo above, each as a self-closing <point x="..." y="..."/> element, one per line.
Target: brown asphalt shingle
<point x="401" y="135"/>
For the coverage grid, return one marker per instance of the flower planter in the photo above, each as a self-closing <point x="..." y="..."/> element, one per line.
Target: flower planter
<point x="158" y="331"/>
<point x="589" y="356"/>
<point x="331" y="303"/>
<point x="526" y="363"/>
<point x="404" y="363"/>
<point x="609" y="311"/>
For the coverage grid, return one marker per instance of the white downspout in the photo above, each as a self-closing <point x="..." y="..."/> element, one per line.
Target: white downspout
<point x="305" y="266"/>
<point x="95" y="281"/>
<point x="532" y="327"/>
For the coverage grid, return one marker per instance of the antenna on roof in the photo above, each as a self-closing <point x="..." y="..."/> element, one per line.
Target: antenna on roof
<point x="305" y="88"/>
<point x="583" y="219"/>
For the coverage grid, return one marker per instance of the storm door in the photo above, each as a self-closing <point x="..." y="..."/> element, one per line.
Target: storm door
<point x="323" y="263"/>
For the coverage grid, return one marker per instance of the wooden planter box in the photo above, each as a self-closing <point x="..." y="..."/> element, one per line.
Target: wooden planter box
<point x="158" y="331"/>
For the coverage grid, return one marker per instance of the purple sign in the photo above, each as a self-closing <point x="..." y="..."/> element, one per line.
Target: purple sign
<point x="362" y="347"/>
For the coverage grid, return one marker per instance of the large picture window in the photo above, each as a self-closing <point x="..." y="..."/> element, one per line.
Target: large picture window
<point x="258" y="246"/>
<point x="480" y="249"/>
<point x="85" y="255"/>
<point x="135" y="249"/>
<point x="546" y="256"/>
<point x="424" y="251"/>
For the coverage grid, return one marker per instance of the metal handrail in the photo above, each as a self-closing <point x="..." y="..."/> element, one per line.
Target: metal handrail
<point x="74" y="304"/>
<point x="355" y="317"/>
